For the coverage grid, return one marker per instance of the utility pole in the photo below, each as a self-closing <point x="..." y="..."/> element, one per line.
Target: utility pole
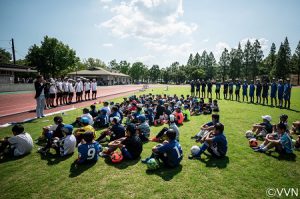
<point x="13" y="50"/>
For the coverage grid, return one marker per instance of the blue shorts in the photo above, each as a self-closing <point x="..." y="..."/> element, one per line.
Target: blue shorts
<point x="273" y="95"/>
<point x="280" y="96"/>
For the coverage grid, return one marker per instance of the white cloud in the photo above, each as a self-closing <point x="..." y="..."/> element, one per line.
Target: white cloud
<point x="148" y="19"/>
<point x="220" y="46"/>
<point x="146" y="59"/>
<point x="263" y="42"/>
<point x="108" y="45"/>
<point x="172" y="50"/>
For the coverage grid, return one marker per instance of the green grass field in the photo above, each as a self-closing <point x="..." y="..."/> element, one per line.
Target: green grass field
<point x="243" y="174"/>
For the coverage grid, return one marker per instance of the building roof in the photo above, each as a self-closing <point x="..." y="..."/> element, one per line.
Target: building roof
<point x="17" y="68"/>
<point x="97" y="71"/>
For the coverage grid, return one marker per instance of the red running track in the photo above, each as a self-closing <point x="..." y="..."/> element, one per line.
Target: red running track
<point x="20" y="106"/>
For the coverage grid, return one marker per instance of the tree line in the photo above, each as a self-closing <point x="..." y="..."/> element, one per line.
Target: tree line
<point x="54" y="58"/>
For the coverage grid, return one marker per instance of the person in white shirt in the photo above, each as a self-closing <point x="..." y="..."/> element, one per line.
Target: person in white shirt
<point x="68" y="142"/>
<point x="87" y="89"/>
<point x="65" y="86"/>
<point x="78" y="90"/>
<point x="52" y="92"/>
<point x="59" y="92"/>
<point x="94" y="89"/>
<point x="19" y="144"/>
<point x="81" y="85"/>
<point x="71" y="91"/>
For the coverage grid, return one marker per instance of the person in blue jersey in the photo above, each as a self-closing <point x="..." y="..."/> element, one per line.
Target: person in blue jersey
<point x="251" y="91"/>
<point x="273" y="92"/>
<point x="280" y="89"/>
<point x="225" y="89"/>
<point x="265" y="92"/>
<point x="88" y="149"/>
<point x="192" y="88"/>
<point x="218" y="88"/>
<point x="237" y="90"/>
<point x="198" y="84"/>
<point x="283" y="145"/>
<point x="245" y="90"/>
<point x="203" y="86"/>
<point x="115" y="131"/>
<point x="169" y="153"/>
<point x="230" y="85"/>
<point x="287" y="93"/>
<point x="214" y="142"/>
<point x="258" y="91"/>
<point x="101" y="120"/>
<point x="209" y="89"/>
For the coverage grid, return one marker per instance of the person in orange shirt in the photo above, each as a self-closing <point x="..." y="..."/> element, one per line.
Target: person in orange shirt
<point x="178" y="116"/>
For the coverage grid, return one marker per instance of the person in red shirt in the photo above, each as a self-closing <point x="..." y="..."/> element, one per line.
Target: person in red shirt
<point x="178" y="116"/>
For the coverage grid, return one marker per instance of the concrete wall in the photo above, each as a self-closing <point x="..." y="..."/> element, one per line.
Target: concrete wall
<point x="16" y="87"/>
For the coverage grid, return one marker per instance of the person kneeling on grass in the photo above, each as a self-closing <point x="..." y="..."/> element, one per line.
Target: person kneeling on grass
<point x="88" y="149"/>
<point x="115" y="132"/>
<point x="264" y="128"/>
<point x="169" y="153"/>
<point x="214" y="142"/>
<point x="19" y="144"/>
<point x="143" y="128"/>
<point x="283" y="145"/>
<point x="85" y="127"/>
<point x="206" y="128"/>
<point x="131" y="145"/>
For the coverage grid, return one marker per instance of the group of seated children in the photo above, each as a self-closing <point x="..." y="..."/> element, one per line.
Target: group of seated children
<point x="276" y="136"/>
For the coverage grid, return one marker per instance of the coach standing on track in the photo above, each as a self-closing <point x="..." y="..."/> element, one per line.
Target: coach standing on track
<point x="39" y="86"/>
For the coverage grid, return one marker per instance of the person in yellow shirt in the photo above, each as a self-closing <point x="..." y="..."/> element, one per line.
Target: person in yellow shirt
<point x="84" y="121"/>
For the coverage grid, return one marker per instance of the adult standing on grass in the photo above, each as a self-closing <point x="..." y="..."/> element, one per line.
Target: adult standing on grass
<point x="287" y="93"/>
<point x="209" y="89"/>
<point x="39" y="86"/>
<point x="225" y="90"/>
<point x="273" y="92"/>
<point x="280" y="92"/>
<point x="258" y="91"/>
<point x="265" y="92"/>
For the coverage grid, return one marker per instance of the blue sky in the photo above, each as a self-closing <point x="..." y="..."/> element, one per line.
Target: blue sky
<point x="152" y="31"/>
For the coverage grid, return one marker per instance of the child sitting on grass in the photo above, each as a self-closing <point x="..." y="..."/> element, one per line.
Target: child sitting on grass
<point x="86" y="114"/>
<point x="101" y="120"/>
<point x="186" y="113"/>
<point x="88" y="149"/>
<point x="207" y="127"/>
<point x="143" y="128"/>
<point x="172" y="125"/>
<point x="19" y="144"/>
<point x="85" y="127"/>
<point x="296" y="128"/>
<point x="54" y="129"/>
<point x="93" y="111"/>
<point x="214" y="142"/>
<point x="264" y="128"/>
<point x="131" y="145"/>
<point x="170" y="152"/>
<point x="214" y="106"/>
<point x="178" y="116"/>
<point x="283" y="145"/>
<point x="115" y="132"/>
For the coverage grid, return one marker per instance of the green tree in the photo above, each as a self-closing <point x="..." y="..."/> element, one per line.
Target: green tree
<point x="197" y="60"/>
<point x="269" y="62"/>
<point x="92" y="62"/>
<point x="296" y="62"/>
<point x="124" y="67"/>
<point x="190" y="60"/>
<point x="256" y="58"/>
<point x="136" y="71"/>
<point x="154" y="73"/>
<point x="224" y="64"/>
<point x="246" y="60"/>
<point x="211" y="63"/>
<point x="52" y="58"/>
<point x="5" y="56"/>
<point x="281" y="66"/>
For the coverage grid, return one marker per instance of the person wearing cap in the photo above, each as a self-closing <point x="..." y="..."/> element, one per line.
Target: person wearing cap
<point x="186" y="113"/>
<point x="273" y="92"/>
<point x="230" y="85"/>
<point x="115" y="131"/>
<point x="258" y="91"/>
<point x="78" y="89"/>
<point x="245" y="90"/>
<point x="101" y="120"/>
<point x="209" y="88"/>
<point x="225" y="89"/>
<point x="214" y="142"/>
<point x="287" y="93"/>
<point x="65" y="88"/>
<point x="88" y="149"/>
<point x="265" y="92"/>
<point x="67" y="144"/>
<point x="71" y="91"/>
<point x="131" y="145"/>
<point x="264" y="128"/>
<point x="94" y="88"/>
<point x="85" y="127"/>
<point x="280" y="88"/>
<point x="218" y="88"/>
<point x="283" y="145"/>
<point x="237" y="90"/>
<point x="169" y="153"/>
<point x="251" y="91"/>
<point x="143" y="128"/>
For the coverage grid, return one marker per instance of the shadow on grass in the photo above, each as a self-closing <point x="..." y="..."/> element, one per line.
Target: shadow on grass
<point x="122" y="165"/>
<point x="54" y="159"/>
<point x="285" y="157"/>
<point x="8" y="158"/>
<point x="165" y="173"/>
<point x="76" y="170"/>
<point x="211" y="161"/>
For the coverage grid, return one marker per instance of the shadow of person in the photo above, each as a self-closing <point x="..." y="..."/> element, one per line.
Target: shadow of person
<point x="122" y="165"/>
<point x="286" y="157"/>
<point x="165" y="173"/>
<point x="211" y="161"/>
<point x="8" y="158"/>
<point x="76" y="170"/>
<point x="54" y="159"/>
